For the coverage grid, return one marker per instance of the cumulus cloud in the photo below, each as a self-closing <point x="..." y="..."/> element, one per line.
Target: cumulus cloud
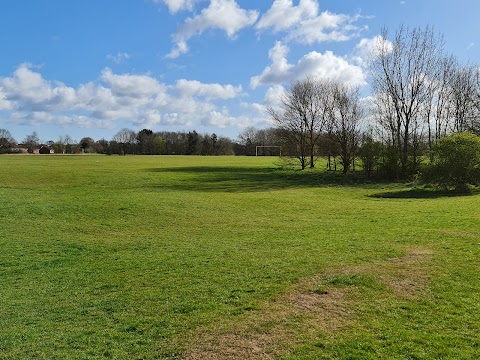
<point x="141" y="99"/>
<point x="4" y="103"/>
<point x="27" y="89"/>
<point x="210" y="91"/>
<point x="224" y="15"/>
<point x="328" y="65"/>
<point x="222" y="119"/>
<point x="273" y="96"/>
<point x="305" y="24"/>
<point x="283" y="15"/>
<point x="369" y="49"/>
<point x="279" y="72"/>
<point x="127" y="85"/>
<point x="315" y="64"/>
<point x="178" y="5"/>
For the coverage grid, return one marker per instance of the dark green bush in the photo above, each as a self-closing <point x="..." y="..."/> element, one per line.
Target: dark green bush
<point x="455" y="162"/>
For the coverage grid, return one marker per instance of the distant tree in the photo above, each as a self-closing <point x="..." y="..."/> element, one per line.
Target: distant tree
<point x="146" y="142"/>
<point x="101" y="146"/>
<point x="192" y="143"/>
<point x="87" y="145"/>
<point x="175" y="142"/>
<point x="58" y="147"/>
<point x="31" y="142"/>
<point x="68" y="143"/>
<point x="6" y="141"/>
<point x="224" y="146"/>
<point x="248" y="138"/>
<point x="126" y="139"/>
<point x="206" y="148"/>
<point x="456" y="161"/>
<point x="214" y="144"/>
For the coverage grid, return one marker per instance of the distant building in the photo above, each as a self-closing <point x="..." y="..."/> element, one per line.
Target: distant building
<point x="45" y="150"/>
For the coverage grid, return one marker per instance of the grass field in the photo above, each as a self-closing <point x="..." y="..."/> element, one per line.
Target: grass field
<point x="230" y="258"/>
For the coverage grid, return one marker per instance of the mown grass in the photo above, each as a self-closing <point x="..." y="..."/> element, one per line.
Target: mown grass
<point x="135" y="257"/>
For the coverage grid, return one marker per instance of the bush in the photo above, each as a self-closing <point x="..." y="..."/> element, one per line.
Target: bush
<point x="456" y="162"/>
<point x="369" y="152"/>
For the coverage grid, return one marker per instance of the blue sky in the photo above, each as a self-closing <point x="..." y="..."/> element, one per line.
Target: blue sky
<point x="91" y="68"/>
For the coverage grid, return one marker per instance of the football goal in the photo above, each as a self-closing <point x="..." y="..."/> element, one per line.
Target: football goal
<point x="268" y="150"/>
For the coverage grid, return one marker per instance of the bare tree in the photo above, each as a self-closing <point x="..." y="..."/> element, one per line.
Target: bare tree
<point x="126" y="138"/>
<point x="346" y="114"/>
<point x="303" y="117"/>
<point x="439" y="116"/>
<point x="31" y="141"/>
<point x="6" y="139"/>
<point x="403" y="75"/>
<point x="464" y="93"/>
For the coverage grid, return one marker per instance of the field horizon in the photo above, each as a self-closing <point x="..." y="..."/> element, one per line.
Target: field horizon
<point x="191" y="257"/>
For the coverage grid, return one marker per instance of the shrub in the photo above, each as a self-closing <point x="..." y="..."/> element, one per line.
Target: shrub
<point x="456" y="162"/>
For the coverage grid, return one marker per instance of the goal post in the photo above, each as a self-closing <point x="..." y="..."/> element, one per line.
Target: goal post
<point x="268" y="146"/>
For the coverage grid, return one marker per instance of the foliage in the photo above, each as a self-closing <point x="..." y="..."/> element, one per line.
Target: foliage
<point x="369" y="152"/>
<point x="456" y="161"/>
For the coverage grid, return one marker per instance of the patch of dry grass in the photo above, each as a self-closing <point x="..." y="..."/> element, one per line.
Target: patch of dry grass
<point x="311" y="307"/>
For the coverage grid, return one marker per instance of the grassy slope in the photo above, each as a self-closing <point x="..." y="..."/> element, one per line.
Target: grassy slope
<point x="125" y="257"/>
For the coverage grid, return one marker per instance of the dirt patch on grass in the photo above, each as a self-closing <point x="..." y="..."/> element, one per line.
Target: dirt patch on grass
<point x="266" y="333"/>
<point x="313" y="306"/>
<point x="408" y="276"/>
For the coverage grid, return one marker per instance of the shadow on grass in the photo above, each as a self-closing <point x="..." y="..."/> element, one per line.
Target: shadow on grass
<point x="246" y="179"/>
<point x="419" y="193"/>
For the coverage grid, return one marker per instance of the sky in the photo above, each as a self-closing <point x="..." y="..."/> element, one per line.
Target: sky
<point x="93" y="67"/>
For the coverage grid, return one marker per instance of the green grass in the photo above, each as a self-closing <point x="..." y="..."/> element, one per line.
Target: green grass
<point x="136" y="257"/>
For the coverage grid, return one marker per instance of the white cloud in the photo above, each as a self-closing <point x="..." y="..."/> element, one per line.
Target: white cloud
<point x="179" y="48"/>
<point x="304" y="23"/>
<point x="140" y="99"/>
<point x="280" y="70"/>
<point x="4" y="103"/>
<point x="27" y="89"/>
<point x="178" y="5"/>
<point x="119" y="57"/>
<point x="224" y="15"/>
<point x="325" y="27"/>
<point x="222" y="119"/>
<point x="134" y="86"/>
<point x="274" y="94"/>
<point x="283" y="15"/>
<point x="329" y="66"/>
<point x="210" y="91"/>
<point x="368" y="49"/>
<point x="315" y="64"/>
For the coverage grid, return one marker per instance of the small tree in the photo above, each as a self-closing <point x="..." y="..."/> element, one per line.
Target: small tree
<point x="369" y="152"/>
<point x="6" y="141"/>
<point x="456" y="161"/>
<point x="31" y="142"/>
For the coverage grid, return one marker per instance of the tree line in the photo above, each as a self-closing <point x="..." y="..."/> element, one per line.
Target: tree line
<point x="129" y="142"/>
<point x="420" y="95"/>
